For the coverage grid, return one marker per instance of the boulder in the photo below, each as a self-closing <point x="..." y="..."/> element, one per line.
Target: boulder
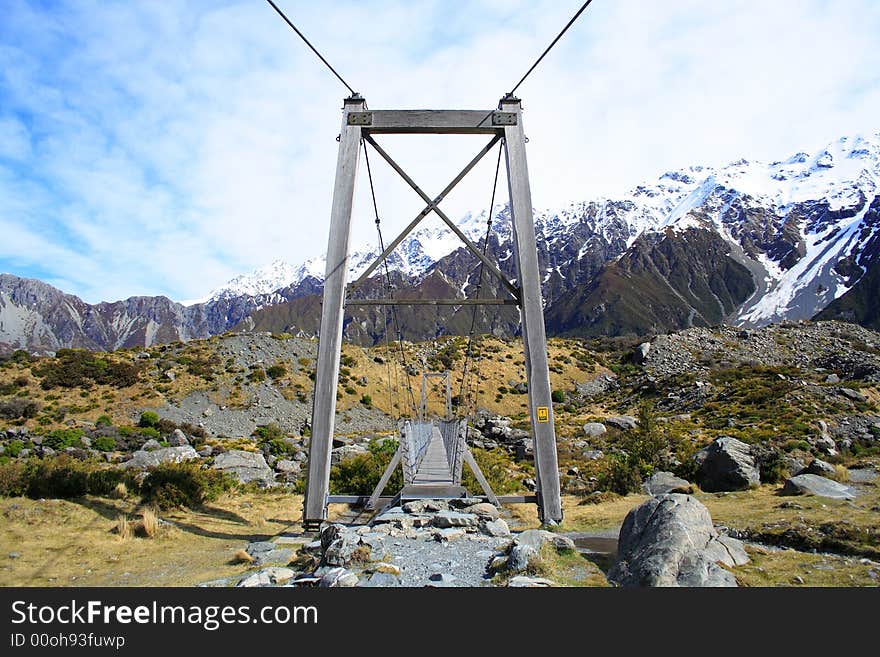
<point x="454" y="519"/>
<point x="178" y="438"/>
<point x="622" y="422"/>
<point x="150" y="445"/>
<point x="640" y="355"/>
<point x="852" y="395"/>
<point x="264" y="552"/>
<point x="810" y="484"/>
<point x="595" y="429"/>
<point x="661" y="483"/>
<point x="725" y="465"/>
<point x="141" y="460"/>
<point x="484" y="510"/>
<point x="338" y="577"/>
<point x="245" y="466"/>
<point x="522" y="581"/>
<point x="381" y="580"/>
<point x="497" y="528"/>
<point x="670" y="541"/>
<point x="536" y="538"/>
<point x="819" y="467"/>
<point x="267" y="577"/>
<point x="346" y="451"/>
<point x="286" y="466"/>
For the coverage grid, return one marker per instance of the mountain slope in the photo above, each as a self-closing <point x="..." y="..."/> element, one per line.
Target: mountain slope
<point x="749" y="243"/>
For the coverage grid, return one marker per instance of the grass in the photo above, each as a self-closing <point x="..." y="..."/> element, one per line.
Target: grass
<point x="75" y="542"/>
<point x="568" y="568"/>
<point x="782" y="568"/>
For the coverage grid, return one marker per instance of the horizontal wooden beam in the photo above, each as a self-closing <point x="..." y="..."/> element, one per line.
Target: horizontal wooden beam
<point x="442" y="122"/>
<point x="431" y="302"/>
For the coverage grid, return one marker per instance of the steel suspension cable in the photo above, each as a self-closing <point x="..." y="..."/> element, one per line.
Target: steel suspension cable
<point x="544" y="54"/>
<point x="469" y="352"/>
<point x="388" y="284"/>
<point x="308" y="43"/>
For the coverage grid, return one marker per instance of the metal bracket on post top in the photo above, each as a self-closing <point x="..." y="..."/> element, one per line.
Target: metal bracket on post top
<point x="360" y="118"/>
<point x="503" y="118"/>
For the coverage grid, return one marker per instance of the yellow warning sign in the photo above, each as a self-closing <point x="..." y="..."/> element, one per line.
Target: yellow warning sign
<point x="543" y="414"/>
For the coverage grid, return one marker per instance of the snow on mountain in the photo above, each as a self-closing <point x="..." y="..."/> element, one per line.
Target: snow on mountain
<point x="765" y="211"/>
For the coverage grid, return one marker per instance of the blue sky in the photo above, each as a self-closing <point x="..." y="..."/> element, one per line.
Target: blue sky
<point x="163" y="147"/>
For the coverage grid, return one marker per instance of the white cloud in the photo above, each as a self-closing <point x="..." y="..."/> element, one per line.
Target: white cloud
<point x="169" y="146"/>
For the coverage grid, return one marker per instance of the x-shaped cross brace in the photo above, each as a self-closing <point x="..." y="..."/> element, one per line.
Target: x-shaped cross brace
<point x="433" y="206"/>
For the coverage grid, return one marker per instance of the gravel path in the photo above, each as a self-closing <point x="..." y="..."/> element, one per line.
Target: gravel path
<point x="460" y="562"/>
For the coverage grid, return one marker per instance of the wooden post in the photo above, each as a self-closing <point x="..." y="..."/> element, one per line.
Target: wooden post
<point x="330" y="344"/>
<point x="532" y="313"/>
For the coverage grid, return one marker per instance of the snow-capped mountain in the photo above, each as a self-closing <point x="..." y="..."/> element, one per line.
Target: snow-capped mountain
<point x="748" y="243"/>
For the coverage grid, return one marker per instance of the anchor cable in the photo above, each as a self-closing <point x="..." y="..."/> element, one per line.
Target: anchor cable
<point x="543" y="54"/>
<point x="314" y="50"/>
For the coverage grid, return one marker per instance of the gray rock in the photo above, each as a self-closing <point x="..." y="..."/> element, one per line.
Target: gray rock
<point x="668" y="541"/>
<point x="423" y="506"/>
<point x="640" y="355"/>
<point x="819" y="467"/>
<point x="536" y="538"/>
<point x="448" y="534"/>
<point x="24" y="453"/>
<point x="338" y="577"/>
<point x="832" y="378"/>
<point x="593" y="454"/>
<point x="286" y="466"/>
<point x="810" y="484"/>
<point x="245" y="466"/>
<point x="519" y="558"/>
<point x="206" y="451"/>
<point x="661" y="483"/>
<point x="268" y="577"/>
<point x="484" y="510"/>
<point x="86" y="441"/>
<point x="454" y="519"/>
<point x="346" y="452"/>
<point x="178" y="438"/>
<point x="852" y="395"/>
<point x="343" y="550"/>
<point x="595" y="429"/>
<point x="442" y="579"/>
<point x="622" y="422"/>
<point x="497" y="528"/>
<point x="150" y="445"/>
<point x="522" y="581"/>
<point x="141" y="460"/>
<point x="265" y="552"/>
<point x="726" y="465"/>
<point x="381" y="580"/>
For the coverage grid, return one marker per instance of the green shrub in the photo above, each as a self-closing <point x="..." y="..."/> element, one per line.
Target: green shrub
<point x="18" y="407"/>
<point x="13" y="479"/>
<point x="60" y="477"/>
<point x="104" y="421"/>
<point x="267" y="432"/>
<point x="126" y="432"/>
<point x="257" y="375"/>
<point x="276" y="371"/>
<point x="360" y="474"/>
<point x="173" y="485"/>
<point x="75" y="368"/>
<point x="60" y="439"/>
<point x="497" y="467"/>
<point x="149" y="419"/>
<point x="366" y="400"/>
<point x="13" y="447"/>
<point x="149" y="432"/>
<point x="791" y="445"/>
<point x="619" y="475"/>
<point x="347" y="361"/>
<point x="104" y="443"/>
<point x="558" y="396"/>
<point x="643" y="450"/>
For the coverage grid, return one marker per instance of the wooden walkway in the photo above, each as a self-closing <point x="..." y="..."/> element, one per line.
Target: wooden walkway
<point x="433" y="479"/>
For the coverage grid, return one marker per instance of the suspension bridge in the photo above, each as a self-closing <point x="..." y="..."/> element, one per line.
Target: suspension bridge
<point x="432" y="452"/>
